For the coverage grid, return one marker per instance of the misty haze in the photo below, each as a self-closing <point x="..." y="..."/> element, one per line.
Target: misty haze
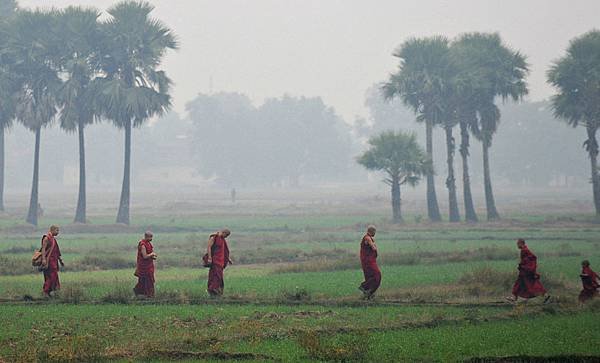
<point x="222" y="175"/>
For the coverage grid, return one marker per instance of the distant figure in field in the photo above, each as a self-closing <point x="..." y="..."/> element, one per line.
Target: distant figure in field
<point x="217" y="257"/>
<point x="51" y="257"/>
<point x="368" y="261"/>
<point x="528" y="283"/>
<point x="144" y="269"/>
<point x="233" y="195"/>
<point x="589" y="279"/>
<point x="40" y="210"/>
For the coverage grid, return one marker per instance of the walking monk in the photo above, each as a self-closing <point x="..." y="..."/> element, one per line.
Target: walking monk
<point x="368" y="261"/>
<point x="50" y="259"/>
<point x="217" y="257"/>
<point x="528" y="283"/>
<point x="589" y="279"/>
<point x="145" y="267"/>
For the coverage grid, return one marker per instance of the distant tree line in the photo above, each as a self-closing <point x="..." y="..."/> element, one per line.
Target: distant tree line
<point x="457" y="84"/>
<point x="69" y="66"/>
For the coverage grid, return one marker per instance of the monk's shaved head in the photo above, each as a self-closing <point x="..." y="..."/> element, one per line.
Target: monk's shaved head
<point x="226" y="232"/>
<point x="148" y="234"/>
<point x="371" y="228"/>
<point x="585" y="263"/>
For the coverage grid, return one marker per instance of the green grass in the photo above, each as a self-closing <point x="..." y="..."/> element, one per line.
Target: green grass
<point x="331" y="324"/>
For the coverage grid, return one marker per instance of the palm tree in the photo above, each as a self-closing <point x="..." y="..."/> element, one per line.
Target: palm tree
<point x="133" y="90"/>
<point x="576" y="76"/>
<point x="401" y="158"/>
<point x="491" y="70"/>
<point x="80" y="35"/>
<point x="465" y="100"/>
<point x="8" y="85"/>
<point x="423" y="82"/>
<point x="467" y="121"/>
<point x="33" y="44"/>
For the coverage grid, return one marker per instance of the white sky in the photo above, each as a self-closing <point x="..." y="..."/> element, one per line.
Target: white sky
<point x="337" y="49"/>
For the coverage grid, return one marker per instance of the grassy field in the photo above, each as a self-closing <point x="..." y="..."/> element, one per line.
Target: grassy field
<point x="292" y="293"/>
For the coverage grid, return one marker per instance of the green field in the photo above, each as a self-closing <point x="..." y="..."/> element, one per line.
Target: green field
<point x="292" y="293"/>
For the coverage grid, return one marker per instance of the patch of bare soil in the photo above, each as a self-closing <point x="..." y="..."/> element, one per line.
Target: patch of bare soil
<point x="534" y="359"/>
<point x="297" y="314"/>
<point x="183" y="355"/>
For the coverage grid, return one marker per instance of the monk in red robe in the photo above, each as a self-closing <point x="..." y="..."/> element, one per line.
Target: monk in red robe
<point x="145" y="267"/>
<point x="51" y="257"/>
<point x="368" y="261"/>
<point x="589" y="279"/>
<point x="218" y="259"/>
<point x="528" y="283"/>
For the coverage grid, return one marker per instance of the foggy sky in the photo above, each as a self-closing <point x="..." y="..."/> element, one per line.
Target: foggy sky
<point x="336" y="49"/>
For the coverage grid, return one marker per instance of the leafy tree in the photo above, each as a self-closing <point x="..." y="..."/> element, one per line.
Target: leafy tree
<point x="488" y="70"/>
<point x="8" y="85"/>
<point x="576" y="76"/>
<point x="80" y="35"/>
<point x="33" y="44"/>
<point x="284" y="141"/>
<point x="401" y="158"/>
<point x="133" y="89"/>
<point x="423" y="82"/>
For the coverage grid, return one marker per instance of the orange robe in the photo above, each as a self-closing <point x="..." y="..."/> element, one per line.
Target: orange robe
<point x="51" y="281"/>
<point x="220" y="259"/>
<point x="144" y="271"/>
<point x="528" y="283"/>
<point x="589" y="279"/>
<point x="371" y="272"/>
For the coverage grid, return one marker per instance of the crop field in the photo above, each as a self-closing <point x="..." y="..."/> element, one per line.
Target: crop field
<point x="292" y="294"/>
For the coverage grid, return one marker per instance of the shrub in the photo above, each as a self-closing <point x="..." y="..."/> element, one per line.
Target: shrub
<point x="298" y="294"/>
<point x="72" y="293"/>
<point x="336" y="348"/>
<point x="120" y="294"/>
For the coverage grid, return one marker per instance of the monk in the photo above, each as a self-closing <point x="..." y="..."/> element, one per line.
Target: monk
<point x="528" y="283"/>
<point x="145" y="267"/>
<point x="368" y="261"/>
<point x="51" y="257"/>
<point x="590" y="283"/>
<point x="217" y="258"/>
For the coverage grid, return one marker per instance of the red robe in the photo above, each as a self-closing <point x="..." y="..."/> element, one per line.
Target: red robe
<point x="368" y="261"/>
<point x="220" y="259"/>
<point x="528" y="283"/>
<point x="144" y="271"/>
<point x="51" y="281"/>
<point x="589" y="279"/>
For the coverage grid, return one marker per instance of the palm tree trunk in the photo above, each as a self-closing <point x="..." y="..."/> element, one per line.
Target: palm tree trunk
<point x="592" y="146"/>
<point x="433" y="210"/>
<point x="32" y="215"/>
<point x="80" y="213"/>
<point x="454" y="214"/>
<point x="396" y="202"/>
<point x="1" y="168"/>
<point x="490" y="204"/>
<point x="123" y="215"/>
<point x="470" y="214"/>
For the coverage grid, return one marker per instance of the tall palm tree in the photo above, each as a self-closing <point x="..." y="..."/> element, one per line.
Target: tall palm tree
<point x="424" y="83"/>
<point x="467" y="121"/>
<point x="492" y="70"/>
<point x="401" y="158"/>
<point x="465" y="101"/>
<point x="79" y="30"/>
<point x="8" y="84"/>
<point x="33" y="45"/>
<point x="133" y="90"/>
<point x="576" y="76"/>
